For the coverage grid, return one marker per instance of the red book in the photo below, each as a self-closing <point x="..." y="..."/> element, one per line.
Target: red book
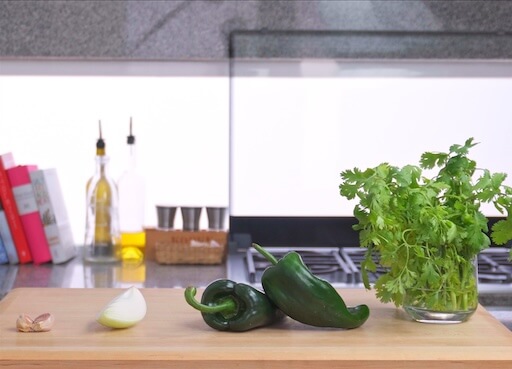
<point x="11" y="210"/>
<point x="19" y="177"/>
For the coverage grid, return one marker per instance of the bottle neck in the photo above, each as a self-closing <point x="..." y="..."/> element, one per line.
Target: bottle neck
<point x="101" y="164"/>
<point x="131" y="157"/>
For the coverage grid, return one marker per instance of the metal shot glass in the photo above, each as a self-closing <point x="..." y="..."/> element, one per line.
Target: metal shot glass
<point x="191" y="216"/>
<point x="166" y="215"/>
<point x="216" y="217"/>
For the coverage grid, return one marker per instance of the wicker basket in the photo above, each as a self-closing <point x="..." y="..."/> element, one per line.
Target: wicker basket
<point x="183" y="247"/>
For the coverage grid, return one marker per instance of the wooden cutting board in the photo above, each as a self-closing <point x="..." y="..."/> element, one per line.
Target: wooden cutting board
<point x="173" y="335"/>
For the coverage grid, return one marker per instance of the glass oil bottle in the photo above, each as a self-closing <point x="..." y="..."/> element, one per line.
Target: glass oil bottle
<point x="131" y="206"/>
<point x="102" y="236"/>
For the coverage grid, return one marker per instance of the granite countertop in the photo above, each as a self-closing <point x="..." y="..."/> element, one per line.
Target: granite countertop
<point x="79" y="274"/>
<point x="200" y="30"/>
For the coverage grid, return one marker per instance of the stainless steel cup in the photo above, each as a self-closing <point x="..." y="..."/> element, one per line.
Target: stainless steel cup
<point x="165" y="215"/>
<point x="191" y="216"/>
<point x="216" y="218"/>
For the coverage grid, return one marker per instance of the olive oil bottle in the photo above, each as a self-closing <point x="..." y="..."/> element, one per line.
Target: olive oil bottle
<point x="102" y="236"/>
<point x="131" y="205"/>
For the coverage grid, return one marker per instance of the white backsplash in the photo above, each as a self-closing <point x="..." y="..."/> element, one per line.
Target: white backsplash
<point x="49" y="116"/>
<point x="296" y="126"/>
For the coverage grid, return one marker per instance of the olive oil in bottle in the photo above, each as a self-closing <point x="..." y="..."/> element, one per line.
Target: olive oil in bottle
<point x="102" y="237"/>
<point x="131" y="206"/>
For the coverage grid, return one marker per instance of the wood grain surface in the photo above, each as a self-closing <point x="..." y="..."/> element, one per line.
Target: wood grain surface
<point x="173" y="335"/>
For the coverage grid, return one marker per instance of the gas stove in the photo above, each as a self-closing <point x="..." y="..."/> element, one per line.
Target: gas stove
<point x="342" y="266"/>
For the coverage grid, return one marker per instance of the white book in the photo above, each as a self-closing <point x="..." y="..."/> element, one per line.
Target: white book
<point x="54" y="215"/>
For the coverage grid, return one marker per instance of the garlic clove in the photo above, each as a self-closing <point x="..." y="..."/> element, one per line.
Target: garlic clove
<point x="125" y="310"/>
<point x="43" y="323"/>
<point x="24" y="323"/>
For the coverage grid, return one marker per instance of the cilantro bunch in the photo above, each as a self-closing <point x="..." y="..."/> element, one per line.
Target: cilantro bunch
<point x="427" y="232"/>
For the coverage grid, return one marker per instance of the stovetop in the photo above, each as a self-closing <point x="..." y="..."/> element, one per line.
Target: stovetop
<point x="342" y="266"/>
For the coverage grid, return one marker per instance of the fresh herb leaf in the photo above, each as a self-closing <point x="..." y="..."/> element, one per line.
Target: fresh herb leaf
<point x="502" y="231"/>
<point x="427" y="231"/>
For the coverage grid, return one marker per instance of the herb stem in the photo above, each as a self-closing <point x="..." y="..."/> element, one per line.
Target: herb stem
<point x="454" y="300"/>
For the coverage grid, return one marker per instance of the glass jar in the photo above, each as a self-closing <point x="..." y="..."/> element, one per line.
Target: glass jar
<point x="454" y="301"/>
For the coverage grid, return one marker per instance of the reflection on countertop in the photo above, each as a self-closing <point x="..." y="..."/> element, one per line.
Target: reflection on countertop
<point x="79" y="274"/>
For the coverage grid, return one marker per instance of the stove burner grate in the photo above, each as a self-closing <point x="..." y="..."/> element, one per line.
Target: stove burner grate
<point x="323" y="262"/>
<point x="343" y="265"/>
<point x="493" y="264"/>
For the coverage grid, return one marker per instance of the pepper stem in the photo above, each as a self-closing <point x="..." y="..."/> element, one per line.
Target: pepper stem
<point x="226" y="306"/>
<point x="271" y="258"/>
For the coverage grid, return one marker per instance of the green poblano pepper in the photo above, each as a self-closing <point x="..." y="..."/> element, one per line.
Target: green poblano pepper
<point x="306" y="298"/>
<point x="229" y="306"/>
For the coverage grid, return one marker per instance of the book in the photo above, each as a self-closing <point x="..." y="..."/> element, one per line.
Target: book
<point x="11" y="210"/>
<point x="4" y="259"/>
<point x="19" y="177"/>
<point x="53" y="214"/>
<point x="8" y="276"/>
<point x="5" y="234"/>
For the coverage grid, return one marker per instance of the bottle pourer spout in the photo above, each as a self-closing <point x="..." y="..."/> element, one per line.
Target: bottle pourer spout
<point x="100" y="144"/>
<point x="131" y="138"/>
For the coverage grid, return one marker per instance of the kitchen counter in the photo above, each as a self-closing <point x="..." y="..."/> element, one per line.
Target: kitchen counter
<point x="174" y="335"/>
<point x="77" y="274"/>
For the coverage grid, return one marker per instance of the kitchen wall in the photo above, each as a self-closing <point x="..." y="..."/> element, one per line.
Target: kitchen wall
<point x="66" y="64"/>
<point x="49" y="113"/>
<point x="295" y="125"/>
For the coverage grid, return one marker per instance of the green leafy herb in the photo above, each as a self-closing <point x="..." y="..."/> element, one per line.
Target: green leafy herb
<point x="427" y="232"/>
